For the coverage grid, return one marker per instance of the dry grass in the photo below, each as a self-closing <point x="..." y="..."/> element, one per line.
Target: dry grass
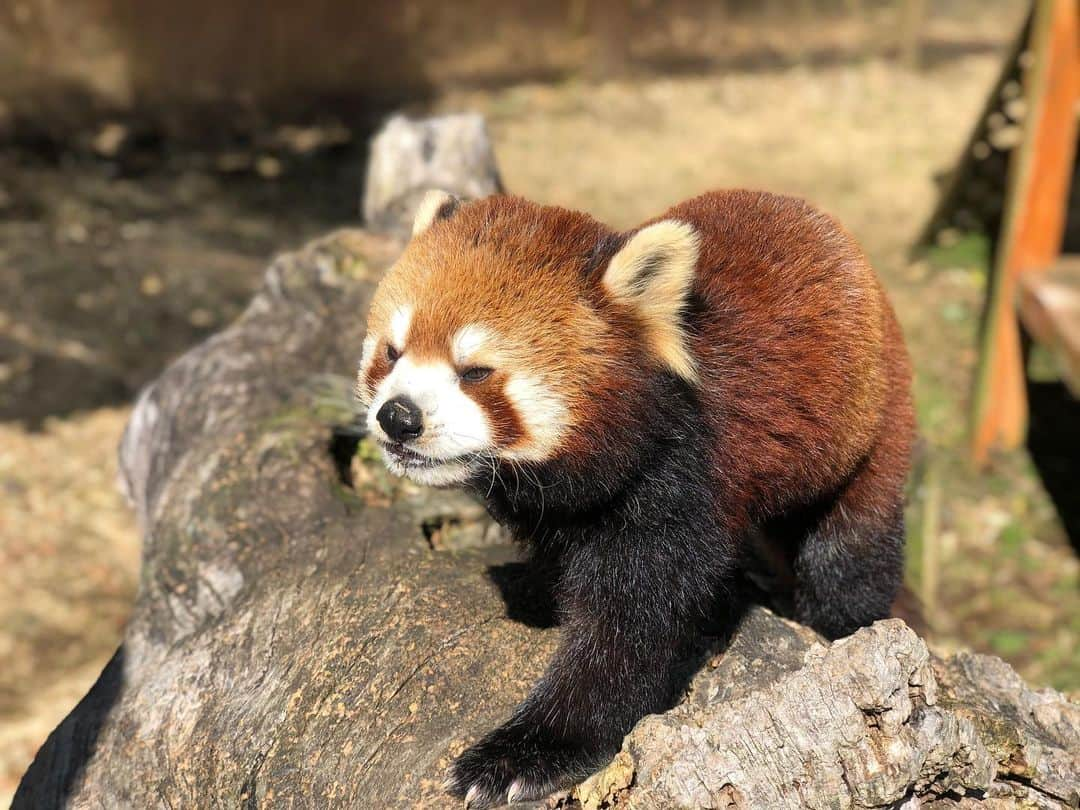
<point x="68" y="567"/>
<point x="862" y="140"/>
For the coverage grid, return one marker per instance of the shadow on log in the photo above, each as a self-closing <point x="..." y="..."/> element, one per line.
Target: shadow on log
<point x="312" y="635"/>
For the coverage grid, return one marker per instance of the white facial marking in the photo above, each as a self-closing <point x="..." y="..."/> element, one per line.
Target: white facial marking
<point x="542" y="412"/>
<point x="467" y="341"/>
<point x="455" y="427"/>
<point x="367" y="357"/>
<point x="399" y="326"/>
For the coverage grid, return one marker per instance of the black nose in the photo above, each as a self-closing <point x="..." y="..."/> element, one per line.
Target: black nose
<point x="401" y="419"/>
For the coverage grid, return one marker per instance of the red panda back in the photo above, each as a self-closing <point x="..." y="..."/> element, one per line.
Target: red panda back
<point x="793" y="337"/>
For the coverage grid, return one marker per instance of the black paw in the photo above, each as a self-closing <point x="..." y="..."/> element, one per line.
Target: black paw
<point x="517" y="763"/>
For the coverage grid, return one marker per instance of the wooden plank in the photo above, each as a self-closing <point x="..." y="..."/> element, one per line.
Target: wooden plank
<point x="1032" y="231"/>
<point x="1050" y="310"/>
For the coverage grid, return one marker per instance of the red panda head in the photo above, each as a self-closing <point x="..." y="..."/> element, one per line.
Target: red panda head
<point x="510" y="332"/>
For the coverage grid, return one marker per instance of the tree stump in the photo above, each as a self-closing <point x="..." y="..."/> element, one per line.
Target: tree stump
<point x="450" y="152"/>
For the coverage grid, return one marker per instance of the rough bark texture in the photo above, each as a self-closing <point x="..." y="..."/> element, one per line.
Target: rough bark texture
<point x="310" y="633"/>
<point x="870" y="721"/>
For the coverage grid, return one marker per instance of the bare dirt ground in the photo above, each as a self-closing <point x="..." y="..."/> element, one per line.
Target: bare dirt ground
<point x="108" y="269"/>
<point x="68" y="568"/>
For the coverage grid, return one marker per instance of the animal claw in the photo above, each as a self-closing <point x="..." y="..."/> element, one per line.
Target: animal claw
<point x="471" y="796"/>
<point x="515" y="792"/>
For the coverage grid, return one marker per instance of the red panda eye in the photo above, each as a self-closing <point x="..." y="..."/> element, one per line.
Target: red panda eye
<point x="475" y="374"/>
<point x="392" y="354"/>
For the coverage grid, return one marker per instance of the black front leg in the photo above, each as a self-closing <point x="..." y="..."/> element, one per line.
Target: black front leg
<point x="630" y="605"/>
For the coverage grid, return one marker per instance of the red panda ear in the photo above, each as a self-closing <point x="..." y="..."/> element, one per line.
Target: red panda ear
<point x="435" y="205"/>
<point x="653" y="274"/>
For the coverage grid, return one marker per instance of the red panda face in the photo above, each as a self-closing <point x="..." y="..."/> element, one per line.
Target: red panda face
<point x="495" y="339"/>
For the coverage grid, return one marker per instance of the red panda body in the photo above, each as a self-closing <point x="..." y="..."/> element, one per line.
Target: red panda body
<point x="801" y="362"/>
<point x="805" y="379"/>
<point x="637" y="408"/>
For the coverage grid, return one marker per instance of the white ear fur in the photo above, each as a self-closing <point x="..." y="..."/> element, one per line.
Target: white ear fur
<point x="436" y="204"/>
<point x="653" y="274"/>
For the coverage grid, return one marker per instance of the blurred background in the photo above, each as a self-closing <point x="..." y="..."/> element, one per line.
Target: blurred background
<point x="155" y="155"/>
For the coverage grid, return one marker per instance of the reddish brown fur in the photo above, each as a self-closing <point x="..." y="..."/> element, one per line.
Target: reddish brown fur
<point x="803" y="366"/>
<point x="505" y="422"/>
<point x="523" y="277"/>
<point x="378" y="369"/>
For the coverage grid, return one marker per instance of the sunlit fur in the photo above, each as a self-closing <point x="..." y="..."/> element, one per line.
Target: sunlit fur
<point x="546" y="343"/>
<point x="456" y="429"/>
<point x="653" y="274"/>
<point x="661" y="403"/>
<point x="433" y="204"/>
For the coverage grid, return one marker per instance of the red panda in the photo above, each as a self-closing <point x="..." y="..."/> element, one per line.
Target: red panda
<point x="635" y="407"/>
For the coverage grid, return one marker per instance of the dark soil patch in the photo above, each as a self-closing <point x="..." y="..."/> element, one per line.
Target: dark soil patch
<point x="108" y="270"/>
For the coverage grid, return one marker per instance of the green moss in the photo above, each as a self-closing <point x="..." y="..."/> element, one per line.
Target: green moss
<point x="287" y="417"/>
<point x="324" y="399"/>
<point x="367" y="451"/>
<point x="348" y="496"/>
<point x="1009" y="642"/>
<point x="967" y="250"/>
<point x="955" y="312"/>
<point x="1011" y="538"/>
<point x="936" y="408"/>
<point x="1042" y="366"/>
<point x="355" y="266"/>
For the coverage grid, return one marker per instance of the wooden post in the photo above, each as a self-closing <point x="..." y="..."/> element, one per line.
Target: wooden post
<point x="1039" y="176"/>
